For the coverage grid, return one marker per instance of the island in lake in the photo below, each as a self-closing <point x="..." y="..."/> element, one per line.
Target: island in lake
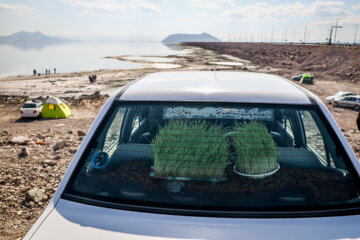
<point x="179" y="38"/>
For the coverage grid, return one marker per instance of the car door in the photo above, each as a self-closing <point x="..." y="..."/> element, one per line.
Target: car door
<point x="352" y="102"/>
<point x="345" y="102"/>
<point x="357" y="103"/>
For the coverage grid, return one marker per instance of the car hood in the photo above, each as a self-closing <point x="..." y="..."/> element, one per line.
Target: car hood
<point x="71" y="220"/>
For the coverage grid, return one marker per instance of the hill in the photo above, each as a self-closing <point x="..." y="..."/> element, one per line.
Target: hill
<point x="24" y="36"/>
<point x="179" y="38"/>
<point x="324" y="61"/>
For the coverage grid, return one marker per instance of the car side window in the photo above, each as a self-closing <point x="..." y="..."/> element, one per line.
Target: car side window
<point x="289" y="132"/>
<point x="113" y="134"/>
<point x="314" y="138"/>
<point x="139" y="125"/>
<point x="136" y="123"/>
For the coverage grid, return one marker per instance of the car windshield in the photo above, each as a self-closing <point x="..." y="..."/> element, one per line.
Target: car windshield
<point x="29" y="105"/>
<point x="211" y="156"/>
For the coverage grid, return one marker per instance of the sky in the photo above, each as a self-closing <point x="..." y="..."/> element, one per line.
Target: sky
<point x="153" y="20"/>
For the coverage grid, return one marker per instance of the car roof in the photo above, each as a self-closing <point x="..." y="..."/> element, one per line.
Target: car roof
<point x="215" y="86"/>
<point x="350" y="96"/>
<point x="29" y="102"/>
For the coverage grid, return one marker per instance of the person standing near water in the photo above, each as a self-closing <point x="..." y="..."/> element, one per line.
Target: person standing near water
<point x="34" y="72"/>
<point x="54" y="70"/>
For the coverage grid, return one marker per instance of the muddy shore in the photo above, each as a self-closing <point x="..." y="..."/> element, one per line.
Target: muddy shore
<point x="51" y="144"/>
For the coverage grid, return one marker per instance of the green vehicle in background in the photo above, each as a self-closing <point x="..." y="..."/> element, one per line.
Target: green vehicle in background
<point x="306" y="78"/>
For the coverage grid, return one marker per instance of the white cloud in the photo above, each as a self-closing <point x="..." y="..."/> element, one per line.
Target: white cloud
<point x="16" y="9"/>
<point x="147" y="7"/>
<point x="356" y="7"/>
<point x="330" y="9"/>
<point x="112" y="6"/>
<point x="264" y="11"/>
<point x="215" y="4"/>
<point x="348" y="20"/>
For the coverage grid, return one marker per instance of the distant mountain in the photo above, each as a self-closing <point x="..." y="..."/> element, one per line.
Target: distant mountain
<point x="179" y="38"/>
<point x="27" y="40"/>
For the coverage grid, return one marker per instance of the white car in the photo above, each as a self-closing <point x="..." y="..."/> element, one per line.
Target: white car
<point x="338" y="96"/>
<point x="208" y="155"/>
<point x="348" y="101"/>
<point x="31" y="109"/>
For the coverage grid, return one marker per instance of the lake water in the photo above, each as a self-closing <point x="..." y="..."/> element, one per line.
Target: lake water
<point x="76" y="56"/>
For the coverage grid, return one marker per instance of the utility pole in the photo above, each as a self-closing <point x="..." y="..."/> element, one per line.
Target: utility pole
<point x="336" y="27"/>
<point x="261" y="35"/>
<point x="285" y="34"/>
<point x="272" y="34"/>
<point x="331" y="30"/>
<point x="356" y="27"/>
<point x="305" y="33"/>
<point x="327" y="35"/>
<point x="293" y="37"/>
<point x="308" y="35"/>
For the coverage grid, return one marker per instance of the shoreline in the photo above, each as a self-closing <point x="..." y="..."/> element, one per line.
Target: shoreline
<point x="77" y="83"/>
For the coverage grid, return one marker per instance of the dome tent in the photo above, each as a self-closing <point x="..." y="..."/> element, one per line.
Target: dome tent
<point x="55" y="108"/>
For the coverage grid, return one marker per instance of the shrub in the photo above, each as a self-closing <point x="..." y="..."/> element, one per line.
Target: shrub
<point x="191" y="149"/>
<point x="254" y="149"/>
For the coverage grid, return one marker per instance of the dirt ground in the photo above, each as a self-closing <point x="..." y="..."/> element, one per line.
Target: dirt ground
<point x="52" y="143"/>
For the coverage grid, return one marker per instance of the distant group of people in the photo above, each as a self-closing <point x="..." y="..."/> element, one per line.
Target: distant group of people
<point x="92" y="78"/>
<point x="47" y="72"/>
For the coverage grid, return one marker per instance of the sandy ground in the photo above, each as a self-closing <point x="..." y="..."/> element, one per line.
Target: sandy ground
<point x="45" y="165"/>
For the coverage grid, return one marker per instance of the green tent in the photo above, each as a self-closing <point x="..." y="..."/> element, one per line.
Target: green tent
<point x="307" y="78"/>
<point x="55" y="108"/>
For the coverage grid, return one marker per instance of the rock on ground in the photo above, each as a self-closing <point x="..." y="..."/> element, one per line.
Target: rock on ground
<point x="60" y="145"/>
<point x="36" y="195"/>
<point x="24" y="152"/>
<point x="21" y="140"/>
<point x="81" y="133"/>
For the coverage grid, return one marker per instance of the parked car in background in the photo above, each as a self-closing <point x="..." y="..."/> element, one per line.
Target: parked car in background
<point x="297" y="78"/>
<point x="348" y="101"/>
<point x="339" y="95"/>
<point x="31" y="109"/>
<point x="208" y="155"/>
